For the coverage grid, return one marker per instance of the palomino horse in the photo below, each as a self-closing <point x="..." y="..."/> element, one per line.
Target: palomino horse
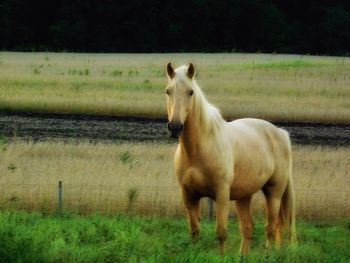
<point x="228" y="161"/>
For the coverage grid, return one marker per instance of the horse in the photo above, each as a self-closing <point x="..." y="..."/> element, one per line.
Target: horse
<point x="228" y="161"/>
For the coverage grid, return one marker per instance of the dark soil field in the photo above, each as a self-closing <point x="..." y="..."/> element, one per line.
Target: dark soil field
<point x="40" y="127"/>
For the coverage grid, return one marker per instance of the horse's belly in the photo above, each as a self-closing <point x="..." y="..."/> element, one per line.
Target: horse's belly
<point x="245" y="185"/>
<point x="242" y="192"/>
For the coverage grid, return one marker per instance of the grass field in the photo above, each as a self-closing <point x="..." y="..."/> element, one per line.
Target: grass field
<point x="138" y="178"/>
<point x="32" y="237"/>
<point x="273" y="87"/>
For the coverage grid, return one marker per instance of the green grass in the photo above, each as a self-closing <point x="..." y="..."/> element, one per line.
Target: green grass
<point x="273" y="87"/>
<point x="33" y="237"/>
<point x="280" y="64"/>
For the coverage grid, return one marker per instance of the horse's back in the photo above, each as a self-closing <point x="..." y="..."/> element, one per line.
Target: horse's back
<point x="260" y="131"/>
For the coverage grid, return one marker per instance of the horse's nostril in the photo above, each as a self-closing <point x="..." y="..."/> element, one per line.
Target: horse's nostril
<point x="175" y="129"/>
<point x="175" y="126"/>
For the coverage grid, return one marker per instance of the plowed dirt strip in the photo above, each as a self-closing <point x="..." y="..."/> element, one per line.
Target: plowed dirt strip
<point x="40" y="127"/>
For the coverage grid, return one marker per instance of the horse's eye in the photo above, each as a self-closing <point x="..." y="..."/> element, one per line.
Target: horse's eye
<point x="167" y="92"/>
<point x="191" y="92"/>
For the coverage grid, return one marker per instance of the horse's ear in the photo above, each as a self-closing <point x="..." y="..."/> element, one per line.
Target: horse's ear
<point x="191" y="71"/>
<point x="170" y="71"/>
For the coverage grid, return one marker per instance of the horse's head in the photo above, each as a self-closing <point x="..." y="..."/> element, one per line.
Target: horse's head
<point x="179" y="97"/>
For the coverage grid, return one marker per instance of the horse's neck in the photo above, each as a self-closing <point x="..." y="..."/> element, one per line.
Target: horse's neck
<point x="199" y="127"/>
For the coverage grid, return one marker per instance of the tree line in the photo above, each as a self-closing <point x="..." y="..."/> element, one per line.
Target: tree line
<point x="285" y="26"/>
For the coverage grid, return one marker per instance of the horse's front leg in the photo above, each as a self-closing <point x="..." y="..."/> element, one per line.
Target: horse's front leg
<point x="193" y="211"/>
<point x="222" y="211"/>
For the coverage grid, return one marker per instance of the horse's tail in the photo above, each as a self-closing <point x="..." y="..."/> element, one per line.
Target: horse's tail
<point x="287" y="210"/>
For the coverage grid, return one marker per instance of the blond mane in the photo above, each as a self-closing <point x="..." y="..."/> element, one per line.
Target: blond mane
<point x="209" y="116"/>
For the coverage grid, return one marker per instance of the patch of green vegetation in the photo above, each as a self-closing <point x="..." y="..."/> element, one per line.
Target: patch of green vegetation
<point x="48" y="85"/>
<point x="12" y="167"/>
<point x="283" y="64"/>
<point x="28" y="83"/>
<point x="79" y="72"/>
<point x="116" y="73"/>
<point x="3" y="142"/>
<point x="133" y="73"/>
<point x="36" y="71"/>
<point x="288" y="64"/>
<point x="125" y="157"/>
<point x="32" y="237"/>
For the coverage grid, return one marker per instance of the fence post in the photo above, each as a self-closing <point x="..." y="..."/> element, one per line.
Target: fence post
<point x="60" y="197"/>
<point x="210" y="208"/>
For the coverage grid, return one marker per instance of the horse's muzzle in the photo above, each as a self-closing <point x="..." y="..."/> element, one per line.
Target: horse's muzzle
<point x="175" y="129"/>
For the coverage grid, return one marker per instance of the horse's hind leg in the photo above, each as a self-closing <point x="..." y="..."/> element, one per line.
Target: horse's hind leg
<point x="273" y="224"/>
<point x="193" y="211"/>
<point x="245" y="224"/>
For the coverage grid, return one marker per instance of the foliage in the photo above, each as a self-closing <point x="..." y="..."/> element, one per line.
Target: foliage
<point x="158" y="26"/>
<point x="71" y="238"/>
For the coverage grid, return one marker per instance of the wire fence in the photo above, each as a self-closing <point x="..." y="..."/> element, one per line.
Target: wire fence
<point x="152" y="200"/>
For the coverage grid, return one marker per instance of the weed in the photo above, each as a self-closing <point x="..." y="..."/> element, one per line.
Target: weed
<point x="132" y="196"/>
<point x="133" y="73"/>
<point x="13" y="198"/>
<point x="72" y="72"/>
<point x="36" y="71"/>
<point x="116" y="73"/>
<point x="12" y="167"/>
<point x="3" y="142"/>
<point x="125" y="157"/>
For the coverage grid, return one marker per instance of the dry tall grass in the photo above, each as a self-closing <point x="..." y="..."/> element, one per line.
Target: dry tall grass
<point x="139" y="178"/>
<point x="302" y="88"/>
